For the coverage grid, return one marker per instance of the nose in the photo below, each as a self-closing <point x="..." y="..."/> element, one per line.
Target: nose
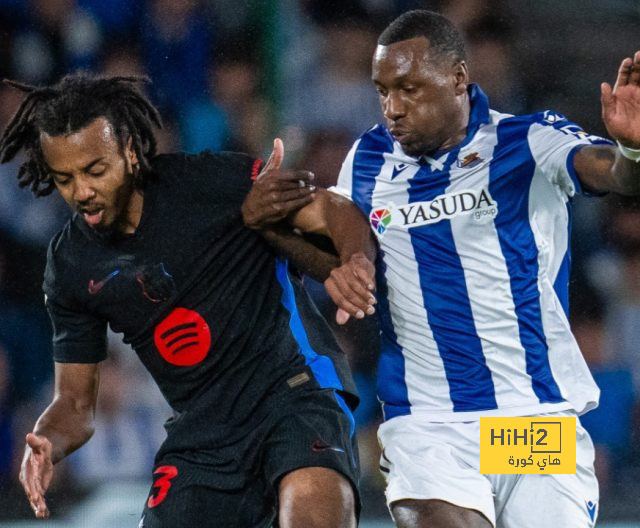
<point x="394" y="107"/>
<point x="82" y="189"/>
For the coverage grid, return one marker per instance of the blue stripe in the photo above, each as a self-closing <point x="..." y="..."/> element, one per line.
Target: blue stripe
<point x="367" y="163"/>
<point x="446" y="299"/>
<point x="391" y="385"/>
<point x="510" y="175"/>
<point x="321" y="366"/>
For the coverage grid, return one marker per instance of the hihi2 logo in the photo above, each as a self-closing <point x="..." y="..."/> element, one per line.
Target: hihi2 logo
<point x="528" y="445"/>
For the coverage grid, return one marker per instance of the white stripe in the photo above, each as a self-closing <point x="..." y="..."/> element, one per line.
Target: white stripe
<point x="549" y="219"/>
<point x="344" y="185"/>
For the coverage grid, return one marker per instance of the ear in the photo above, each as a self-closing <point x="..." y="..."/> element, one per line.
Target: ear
<point x="461" y="77"/>
<point x="130" y="153"/>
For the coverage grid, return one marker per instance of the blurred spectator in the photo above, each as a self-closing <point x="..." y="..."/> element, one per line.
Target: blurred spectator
<point x="176" y="46"/>
<point x="24" y="326"/>
<point x="128" y="424"/>
<point x="6" y="417"/>
<point x="610" y="423"/>
<point x="333" y="89"/>
<point x="117" y="18"/>
<point x="122" y="59"/>
<point x="59" y="37"/>
<point x="29" y="220"/>
<point x="492" y="63"/>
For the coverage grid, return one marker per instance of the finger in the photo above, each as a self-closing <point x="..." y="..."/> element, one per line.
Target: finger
<point x="276" y="157"/>
<point x="291" y="194"/>
<point x="635" y="69"/>
<point x="359" y="293"/>
<point x="34" y="441"/>
<point x="624" y="72"/>
<point x="341" y="316"/>
<point x="365" y="271"/>
<point x="344" y="295"/>
<point x="607" y="100"/>
<point x="292" y="178"/>
<point x="41" y="509"/>
<point x="290" y="206"/>
<point x="341" y="300"/>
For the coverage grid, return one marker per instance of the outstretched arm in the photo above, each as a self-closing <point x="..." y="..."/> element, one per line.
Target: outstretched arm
<point x="63" y="427"/>
<point x="603" y="168"/>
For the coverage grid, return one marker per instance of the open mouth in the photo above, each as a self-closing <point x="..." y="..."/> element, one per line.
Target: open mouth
<point x="93" y="217"/>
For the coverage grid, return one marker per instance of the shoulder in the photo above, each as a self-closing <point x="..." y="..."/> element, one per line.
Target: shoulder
<point x="64" y="254"/>
<point x="206" y="176"/>
<point x="377" y="137"/>
<point x="66" y="241"/>
<point x="202" y="161"/>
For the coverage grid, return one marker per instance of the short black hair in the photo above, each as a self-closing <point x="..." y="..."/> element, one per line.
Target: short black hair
<point x="70" y="105"/>
<point x="444" y="38"/>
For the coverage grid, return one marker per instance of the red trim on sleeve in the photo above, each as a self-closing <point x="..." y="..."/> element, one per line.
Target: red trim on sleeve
<point x="255" y="169"/>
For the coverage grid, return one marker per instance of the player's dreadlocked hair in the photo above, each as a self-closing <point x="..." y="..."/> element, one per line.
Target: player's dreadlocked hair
<point x="70" y="105"/>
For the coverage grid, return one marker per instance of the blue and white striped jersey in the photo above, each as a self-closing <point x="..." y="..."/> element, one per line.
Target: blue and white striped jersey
<point x="474" y="267"/>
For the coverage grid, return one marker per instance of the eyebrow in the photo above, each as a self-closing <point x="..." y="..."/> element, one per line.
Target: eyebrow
<point x="84" y="169"/>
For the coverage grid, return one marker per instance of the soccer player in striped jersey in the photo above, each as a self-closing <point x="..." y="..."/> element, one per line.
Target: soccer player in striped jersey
<point x="472" y="211"/>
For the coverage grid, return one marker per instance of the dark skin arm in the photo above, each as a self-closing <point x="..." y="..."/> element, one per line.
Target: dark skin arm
<point x="315" y="262"/>
<point x="604" y="168"/>
<point x="61" y="429"/>
<point x="351" y="285"/>
<point x="285" y="194"/>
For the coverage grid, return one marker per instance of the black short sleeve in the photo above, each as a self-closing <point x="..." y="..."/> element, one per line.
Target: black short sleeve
<point x="77" y="337"/>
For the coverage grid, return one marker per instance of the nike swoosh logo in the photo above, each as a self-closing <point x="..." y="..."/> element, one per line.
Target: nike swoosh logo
<point x="397" y="169"/>
<point x="318" y="446"/>
<point x="95" y="287"/>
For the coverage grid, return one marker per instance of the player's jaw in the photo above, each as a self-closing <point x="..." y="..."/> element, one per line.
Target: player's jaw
<point x="412" y="143"/>
<point x="110" y="208"/>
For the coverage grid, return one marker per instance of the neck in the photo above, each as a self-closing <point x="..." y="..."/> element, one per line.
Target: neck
<point x="133" y="214"/>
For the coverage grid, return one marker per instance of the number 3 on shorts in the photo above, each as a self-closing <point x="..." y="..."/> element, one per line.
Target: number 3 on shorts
<point x="163" y="483"/>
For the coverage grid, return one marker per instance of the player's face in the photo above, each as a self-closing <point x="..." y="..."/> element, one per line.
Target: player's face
<point x="424" y="101"/>
<point x="95" y="176"/>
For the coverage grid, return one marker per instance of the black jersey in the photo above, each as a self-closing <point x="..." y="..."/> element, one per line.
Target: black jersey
<point x="203" y="301"/>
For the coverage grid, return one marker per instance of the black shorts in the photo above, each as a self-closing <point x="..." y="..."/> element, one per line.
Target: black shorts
<point x="235" y="484"/>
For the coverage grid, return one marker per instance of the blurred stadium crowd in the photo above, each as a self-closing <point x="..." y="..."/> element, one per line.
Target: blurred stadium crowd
<point x="232" y="75"/>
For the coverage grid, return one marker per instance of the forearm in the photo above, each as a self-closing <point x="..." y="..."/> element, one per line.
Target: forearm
<point x="604" y="168"/>
<point x="305" y="256"/>
<point x="340" y="220"/>
<point x="67" y="424"/>
<point x="626" y="175"/>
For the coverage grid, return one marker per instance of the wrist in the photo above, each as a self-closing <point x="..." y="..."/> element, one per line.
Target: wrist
<point x="629" y="153"/>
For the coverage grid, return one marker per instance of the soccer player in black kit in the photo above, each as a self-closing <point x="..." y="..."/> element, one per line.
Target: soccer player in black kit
<point x="157" y="250"/>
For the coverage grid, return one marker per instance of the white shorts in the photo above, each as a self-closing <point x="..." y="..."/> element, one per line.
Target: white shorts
<point x="441" y="460"/>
